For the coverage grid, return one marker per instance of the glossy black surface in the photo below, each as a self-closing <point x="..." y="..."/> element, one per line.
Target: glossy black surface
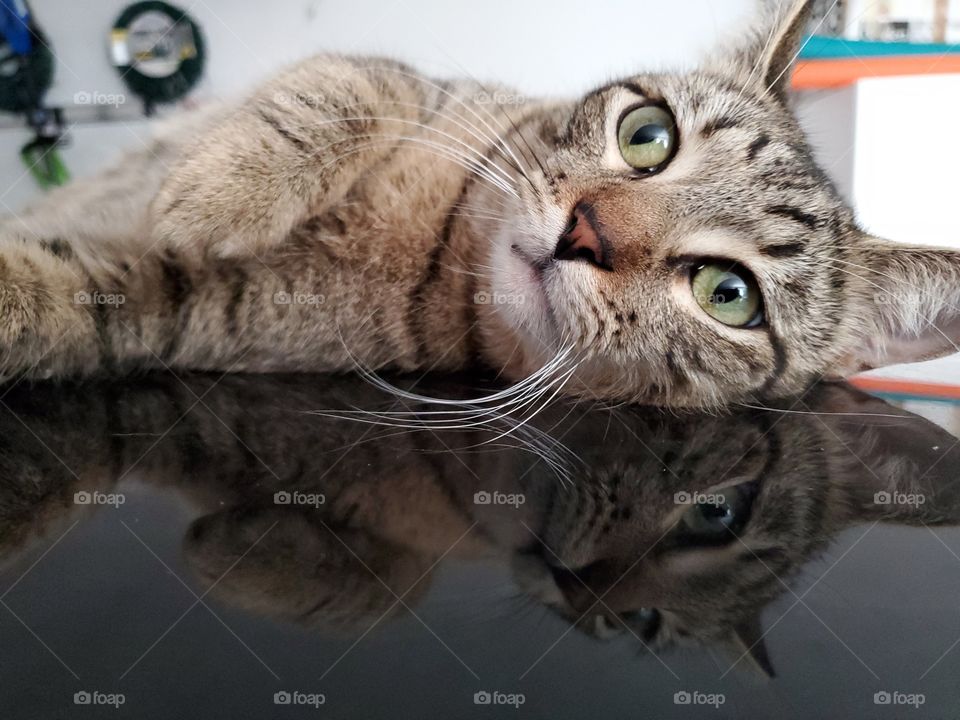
<point x="197" y="545"/>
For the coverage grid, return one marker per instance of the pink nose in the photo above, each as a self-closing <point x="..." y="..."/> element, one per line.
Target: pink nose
<point x="583" y="239"/>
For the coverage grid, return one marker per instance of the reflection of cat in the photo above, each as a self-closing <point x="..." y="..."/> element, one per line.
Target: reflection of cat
<point x="673" y="527"/>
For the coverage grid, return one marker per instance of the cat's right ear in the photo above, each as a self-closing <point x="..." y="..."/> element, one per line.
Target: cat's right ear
<point x="763" y="61"/>
<point x="909" y="308"/>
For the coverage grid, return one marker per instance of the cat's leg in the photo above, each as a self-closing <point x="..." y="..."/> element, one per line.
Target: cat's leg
<point x="71" y="261"/>
<point x="288" y="152"/>
<point x="113" y="271"/>
<point x="48" y="327"/>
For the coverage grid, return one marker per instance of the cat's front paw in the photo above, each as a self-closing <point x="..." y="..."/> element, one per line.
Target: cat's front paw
<point x="226" y="198"/>
<point x="204" y="220"/>
<point x="46" y="325"/>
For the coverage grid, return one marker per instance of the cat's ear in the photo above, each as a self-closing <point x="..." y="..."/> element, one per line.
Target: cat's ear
<point x="745" y="649"/>
<point x="764" y="59"/>
<point x="909" y="306"/>
<point x="889" y="465"/>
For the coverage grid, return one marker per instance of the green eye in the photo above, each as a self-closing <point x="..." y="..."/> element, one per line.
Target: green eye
<point x="647" y="136"/>
<point x="728" y="293"/>
<point x="718" y="516"/>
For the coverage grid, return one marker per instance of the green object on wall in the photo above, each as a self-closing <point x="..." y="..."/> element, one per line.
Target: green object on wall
<point x="43" y="161"/>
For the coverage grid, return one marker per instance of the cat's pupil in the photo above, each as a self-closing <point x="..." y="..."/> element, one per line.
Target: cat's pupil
<point x="650" y="133"/>
<point x="717" y="512"/>
<point x="730" y="290"/>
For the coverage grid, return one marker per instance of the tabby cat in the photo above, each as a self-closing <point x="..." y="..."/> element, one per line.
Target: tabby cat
<point x="612" y="551"/>
<point x="667" y="239"/>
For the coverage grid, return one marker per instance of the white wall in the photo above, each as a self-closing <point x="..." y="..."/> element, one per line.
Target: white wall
<point x="908" y="156"/>
<point x="541" y="46"/>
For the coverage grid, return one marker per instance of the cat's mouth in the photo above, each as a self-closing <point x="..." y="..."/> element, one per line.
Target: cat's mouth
<point x="538" y="266"/>
<point x="523" y="294"/>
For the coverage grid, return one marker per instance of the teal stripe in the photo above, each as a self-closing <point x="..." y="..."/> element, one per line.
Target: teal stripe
<point x="900" y="397"/>
<point x="819" y="47"/>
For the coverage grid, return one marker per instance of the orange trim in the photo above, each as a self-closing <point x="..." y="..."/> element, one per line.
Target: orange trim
<point x="907" y="387"/>
<point x="819" y="74"/>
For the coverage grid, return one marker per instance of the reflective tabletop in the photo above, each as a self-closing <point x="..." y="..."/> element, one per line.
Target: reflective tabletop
<point x="309" y="546"/>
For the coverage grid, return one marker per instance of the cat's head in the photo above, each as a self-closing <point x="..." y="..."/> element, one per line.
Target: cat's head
<point x="688" y="536"/>
<point x="677" y="232"/>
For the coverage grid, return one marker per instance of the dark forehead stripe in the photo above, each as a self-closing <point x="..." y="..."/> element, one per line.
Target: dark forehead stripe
<point x="757" y="145"/>
<point x="796" y="214"/>
<point x="722" y="123"/>
<point x="782" y="250"/>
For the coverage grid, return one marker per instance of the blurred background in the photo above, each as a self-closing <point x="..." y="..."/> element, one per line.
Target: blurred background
<point x="878" y="90"/>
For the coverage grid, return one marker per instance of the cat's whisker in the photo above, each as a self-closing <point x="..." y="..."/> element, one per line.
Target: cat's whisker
<point x="532" y="439"/>
<point x="760" y="58"/>
<point x="492" y="167"/>
<point x="464" y="419"/>
<point x="468" y="416"/>
<point x="464" y="410"/>
<point x="556" y="385"/>
<point x="803" y="45"/>
<point x="461" y="122"/>
<point x="472" y="168"/>
<point x="468" y="163"/>
<point x="434" y="148"/>
<point x="489" y="166"/>
<point x="787" y="411"/>
<point x="462" y="271"/>
<point x="495" y="397"/>
<point x="469" y="108"/>
<point x="523" y="138"/>
<point x="477" y="216"/>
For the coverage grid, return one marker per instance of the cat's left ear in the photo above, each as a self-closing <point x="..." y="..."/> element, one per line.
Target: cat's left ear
<point x="764" y="59"/>
<point x="907" y="307"/>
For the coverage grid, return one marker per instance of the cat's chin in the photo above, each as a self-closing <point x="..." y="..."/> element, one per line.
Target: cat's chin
<point x="518" y="295"/>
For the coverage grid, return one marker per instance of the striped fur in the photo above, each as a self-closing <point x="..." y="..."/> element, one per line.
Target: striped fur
<point x="352" y="211"/>
<point x="404" y="502"/>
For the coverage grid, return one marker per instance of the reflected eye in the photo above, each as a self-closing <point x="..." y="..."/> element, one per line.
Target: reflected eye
<point x="647" y="136"/>
<point x="720" y="515"/>
<point x="728" y="292"/>
<point x="646" y="620"/>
